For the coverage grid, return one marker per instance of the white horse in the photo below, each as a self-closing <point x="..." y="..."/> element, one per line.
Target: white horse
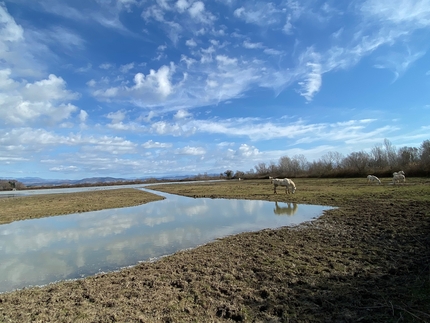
<point x="290" y="187"/>
<point x="398" y="177"/>
<point x="373" y="178"/>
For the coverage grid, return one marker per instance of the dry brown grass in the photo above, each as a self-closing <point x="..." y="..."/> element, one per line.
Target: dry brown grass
<point x="31" y="207"/>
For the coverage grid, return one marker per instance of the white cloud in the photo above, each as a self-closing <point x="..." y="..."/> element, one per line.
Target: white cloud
<point x="49" y="89"/>
<point x="224" y="60"/>
<point x="399" y="62"/>
<point x="30" y="102"/>
<point x="155" y="144"/>
<point x="182" y="114"/>
<point x="182" y="5"/>
<point x="83" y="116"/>
<point x="247" y="151"/>
<point x="250" y="45"/>
<point x="197" y="12"/>
<point x="58" y="35"/>
<point x="399" y="12"/>
<point x="288" y="27"/>
<point x="126" y="68"/>
<point x="194" y="151"/>
<point x="259" y="13"/>
<point x="191" y="43"/>
<point x="117" y="116"/>
<point x="312" y="82"/>
<point x="157" y="80"/>
<point x="163" y="128"/>
<point x="10" y="31"/>
<point x="65" y="169"/>
<point x="150" y="88"/>
<point x="274" y="52"/>
<point x="105" y="66"/>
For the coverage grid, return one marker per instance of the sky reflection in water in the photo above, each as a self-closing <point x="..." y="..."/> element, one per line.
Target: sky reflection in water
<point x="40" y="251"/>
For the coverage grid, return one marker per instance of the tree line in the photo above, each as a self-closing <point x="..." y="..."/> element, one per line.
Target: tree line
<point x="10" y="185"/>
<point x="382" y="160"/>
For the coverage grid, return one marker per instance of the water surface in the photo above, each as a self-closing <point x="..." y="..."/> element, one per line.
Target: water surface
<point x="41" y="251"/>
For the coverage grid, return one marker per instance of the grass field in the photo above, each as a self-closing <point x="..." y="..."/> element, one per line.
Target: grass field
<point x="366" y="261"/>
<point x="36" y="206"/>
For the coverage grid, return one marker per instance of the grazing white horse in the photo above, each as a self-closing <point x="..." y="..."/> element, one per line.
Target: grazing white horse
<point x="398" y="177"/>
<point x="290" y="187"/>
<point x="399" y="173"/>
<point x="373" y="178"/>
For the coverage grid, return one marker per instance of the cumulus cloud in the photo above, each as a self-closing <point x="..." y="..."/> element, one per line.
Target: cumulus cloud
<point x="30" y="102"/>
<point x="83" y="116"/>
<point x="150" y="88"/>
<point x="182" y="5"/>
<point x="182" y="114"/>
<point x="9" y="30"/>
<point x="191" y="43"/>
<point x="117" y="116"/>
<point x="197" y="11"/>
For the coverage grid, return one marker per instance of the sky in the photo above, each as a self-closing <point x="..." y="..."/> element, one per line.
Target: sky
<point x="141" y="88"/>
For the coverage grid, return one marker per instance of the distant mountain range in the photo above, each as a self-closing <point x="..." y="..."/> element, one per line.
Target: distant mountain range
<point x="37" y="181"/>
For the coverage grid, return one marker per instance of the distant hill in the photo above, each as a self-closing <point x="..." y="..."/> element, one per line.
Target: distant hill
<point x="37" y="181"/>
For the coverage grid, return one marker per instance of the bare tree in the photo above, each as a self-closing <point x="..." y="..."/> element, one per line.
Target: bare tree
<point x="408" y="156"/>
<point x="425" y="155"/>
<point x="301" y="162"/>
<point x="357" y="161"/>
<point x="261" y="169"/>
<point x="239" y="174"/>
<point x="285" y="165"/>
<point x="378" y="158"/>
<point x="390" y="150"/>
<point x="273" y="168"/>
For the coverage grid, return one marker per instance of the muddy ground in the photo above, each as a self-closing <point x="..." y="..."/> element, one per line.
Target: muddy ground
<point x="367" y="261"/>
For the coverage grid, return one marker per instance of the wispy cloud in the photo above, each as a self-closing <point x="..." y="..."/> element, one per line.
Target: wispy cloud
<point x="398" y="62"/>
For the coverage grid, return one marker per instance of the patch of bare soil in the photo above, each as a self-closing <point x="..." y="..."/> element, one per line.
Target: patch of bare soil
<point x="359" y="263"/>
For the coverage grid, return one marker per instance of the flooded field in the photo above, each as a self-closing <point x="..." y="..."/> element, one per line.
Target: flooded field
<point x="367" y="260"/>
<point x="50" y="249"/>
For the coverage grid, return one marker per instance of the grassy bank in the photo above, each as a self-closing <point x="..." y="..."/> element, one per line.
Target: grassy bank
<point x="367" y="261"/>
<point x="36" y="206"/>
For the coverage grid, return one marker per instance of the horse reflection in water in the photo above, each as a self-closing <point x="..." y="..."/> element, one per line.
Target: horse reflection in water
<point x="290" y="209"/>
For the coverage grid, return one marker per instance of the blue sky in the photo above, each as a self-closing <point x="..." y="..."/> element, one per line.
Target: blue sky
<point x="130" y="88"/>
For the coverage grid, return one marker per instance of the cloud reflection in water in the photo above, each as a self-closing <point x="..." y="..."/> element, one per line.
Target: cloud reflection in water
<point x="40" y="251"/>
